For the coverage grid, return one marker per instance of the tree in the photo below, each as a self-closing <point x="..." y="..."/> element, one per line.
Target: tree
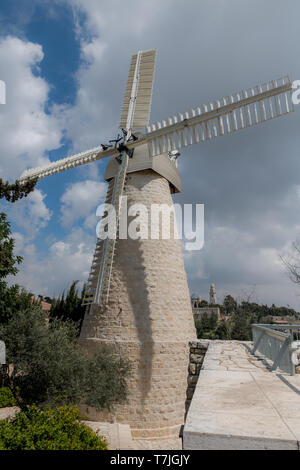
<point x="15" y="191"/>
<point x="222" y="331"/>
<point x="47" y="364"/>
<point x="8" y="261"/>
<point x="12" y="298"/>
<point x="229" y="304"/>
<point x="241" y="329"/>
<point x="292" y="263"/>
<point x="212" y="321"/>
<point x="49" y="429"/>
<point x="69" y="308"/>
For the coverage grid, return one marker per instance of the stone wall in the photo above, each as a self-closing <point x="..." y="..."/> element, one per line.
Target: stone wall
<point x="148" y="319"/>
<point x="197" y="349"/>
<point x="209" y="311"/>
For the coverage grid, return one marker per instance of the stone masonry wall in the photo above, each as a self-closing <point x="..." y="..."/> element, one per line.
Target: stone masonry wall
<point x="148" y="319"/>
<point x="197" y="349"/>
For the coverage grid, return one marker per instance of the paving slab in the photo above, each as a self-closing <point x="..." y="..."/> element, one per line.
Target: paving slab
<point x="239" y="403"/>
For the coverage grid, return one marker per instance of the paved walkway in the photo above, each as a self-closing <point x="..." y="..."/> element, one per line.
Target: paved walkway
<point x="240" y="404"/>
<point x="119" y="438"/>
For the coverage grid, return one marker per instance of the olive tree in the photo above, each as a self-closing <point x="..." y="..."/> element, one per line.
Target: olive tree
<point x="46" y="364"/>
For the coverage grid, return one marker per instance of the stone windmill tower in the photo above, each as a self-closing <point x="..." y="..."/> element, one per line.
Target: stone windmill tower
<point x="137" y="297"/>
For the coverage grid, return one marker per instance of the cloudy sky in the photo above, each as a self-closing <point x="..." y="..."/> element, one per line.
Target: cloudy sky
<point x="65" y="64"/>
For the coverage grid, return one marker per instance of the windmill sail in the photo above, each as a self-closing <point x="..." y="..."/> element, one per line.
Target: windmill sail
<point x="67" y="163"/>
<point x="98" y="285"/>
<point x="223" y="116"/>
<point x="138" y="93"/>
<point x="135" y="115"/>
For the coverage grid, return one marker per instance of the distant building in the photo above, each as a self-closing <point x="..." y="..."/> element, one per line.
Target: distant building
<point x="45" y="305"/>
<point x="196" y="302"/>
<point x="212" y="295"/>
<point x="199" y="309"/>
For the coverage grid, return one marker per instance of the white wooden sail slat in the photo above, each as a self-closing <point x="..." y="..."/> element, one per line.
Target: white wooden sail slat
<point x="263" y="110"/>
<point x="169" y="142"/>
<point x="208" y="131"/>
<point x="189" y="133"/>
<point x="139" y="85"/>
<point x="202" y="128"/>
<point x="256" y="113"/>
<point x="271" y="108"/>
<point x="278" y="106"/>
<point x="196" y="136"/>
<point x="242" y="120"/>
<point x="244" y="109"/>
<point x="78" y="159"/>
<point x="221" y="125"/>
<point x="234" y="120"/>
<point x="287" y="103"/>
<point x="214" y="125"/>
<point x="184" y="138"/>
<point x="179" y="144"/>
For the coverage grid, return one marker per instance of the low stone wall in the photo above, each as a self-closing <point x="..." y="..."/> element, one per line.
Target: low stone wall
<point x="197" y="349"/>
<point x="209" y="311"/>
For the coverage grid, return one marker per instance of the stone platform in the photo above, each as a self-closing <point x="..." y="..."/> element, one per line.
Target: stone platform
<point x="239" y="403"/>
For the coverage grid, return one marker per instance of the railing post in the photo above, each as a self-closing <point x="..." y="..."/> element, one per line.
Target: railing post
<point x="285" y="345"/>
<point x="255" y="346"/>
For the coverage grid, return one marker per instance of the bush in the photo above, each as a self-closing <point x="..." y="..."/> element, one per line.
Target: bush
<point x="48" y="364"/>
<point x="6" y="398"/>
<point x="49" y="429"/>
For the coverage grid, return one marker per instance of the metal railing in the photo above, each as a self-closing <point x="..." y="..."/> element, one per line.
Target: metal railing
<point x="279" y="343"/>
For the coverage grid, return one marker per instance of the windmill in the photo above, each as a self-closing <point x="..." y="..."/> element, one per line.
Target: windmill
<point x="137" y="294"/>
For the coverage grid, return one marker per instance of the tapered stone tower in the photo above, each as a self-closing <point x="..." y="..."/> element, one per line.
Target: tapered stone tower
<point x="148" y="317"/>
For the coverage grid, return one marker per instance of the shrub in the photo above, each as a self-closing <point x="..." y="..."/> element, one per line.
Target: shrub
<point x="49" y="429"/>
<point x="49" y="364"/>
<point x="6" y="398"/>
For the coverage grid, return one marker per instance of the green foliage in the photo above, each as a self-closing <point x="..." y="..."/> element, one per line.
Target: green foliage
<point x="222" y="331"/>
<point x="49" y="429"/>
<point x="12" y="298"/>
<point x="15" y="191"/>
<point x="260" y="311"/>
<point x="206" y="325"/>
<point x="48" y="364"/>
<point x="7" y="259"/>
<point x="69" y="308"/>
<point x="241" y="325"/>
<point x="239" y="317"/>
<point x="6" y="397"/>
<point x="229" y="304"/>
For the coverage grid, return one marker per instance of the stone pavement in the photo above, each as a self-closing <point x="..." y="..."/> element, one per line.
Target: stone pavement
<point x="240" y="404"/>
<point x="119" y="437"/>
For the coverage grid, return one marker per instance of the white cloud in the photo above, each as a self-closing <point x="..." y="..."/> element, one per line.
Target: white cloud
<point x="67" y="260"/>
<point x="80" y="199"/>
<point x="31" y="213"/>
<point x="27" y="131"/>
